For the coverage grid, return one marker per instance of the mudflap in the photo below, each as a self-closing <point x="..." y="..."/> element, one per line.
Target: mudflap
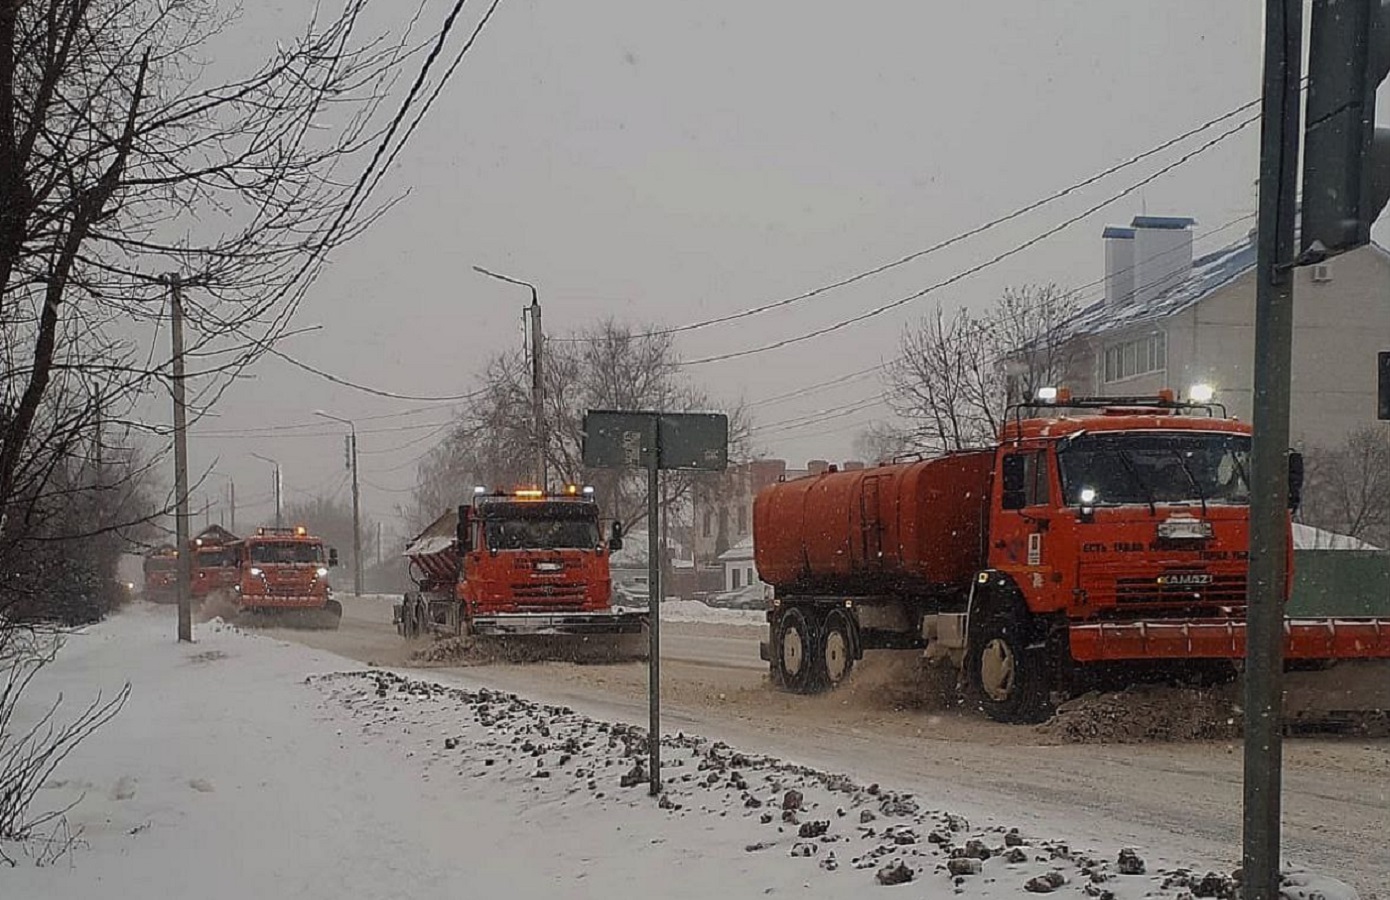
<point x="1349" y="694"/>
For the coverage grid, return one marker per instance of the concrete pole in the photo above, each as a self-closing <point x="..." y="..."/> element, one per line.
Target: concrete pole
<point x="1268" y="575"/>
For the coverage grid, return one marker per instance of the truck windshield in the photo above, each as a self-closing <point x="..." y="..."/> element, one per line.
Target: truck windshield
<point x="286" y="552"/>
<point x="1162" y="467"/>
<point x="215" y="559"/>
<point x="541" y="534"/>
<point x="161" y="563"/>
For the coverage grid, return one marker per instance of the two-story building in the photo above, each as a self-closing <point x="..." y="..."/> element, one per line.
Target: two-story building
<point x="1167" y="319"/>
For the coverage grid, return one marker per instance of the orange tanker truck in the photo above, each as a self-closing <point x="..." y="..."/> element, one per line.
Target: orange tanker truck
<point x="1098" y="535"/>
<point x="524" y="567"/>
<point x="282" y="576"/>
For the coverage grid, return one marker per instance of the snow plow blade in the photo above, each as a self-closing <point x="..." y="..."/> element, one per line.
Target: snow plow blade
<point x="578" y="637"/>
<point x="1305" y="640"/>
<point x="315" y="618"/>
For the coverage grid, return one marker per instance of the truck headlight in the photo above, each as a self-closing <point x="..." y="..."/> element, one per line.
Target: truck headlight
<point x="321" y="571"/>
<point x="256" y="571"/>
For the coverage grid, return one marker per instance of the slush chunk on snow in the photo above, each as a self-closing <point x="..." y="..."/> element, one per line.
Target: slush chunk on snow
<point x="895" y="873"/>
<point x="1310" y="886"/>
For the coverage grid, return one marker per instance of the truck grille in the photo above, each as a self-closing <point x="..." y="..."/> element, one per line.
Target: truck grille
<point x="1225" y="590"/>
<point x="532" y="597"/>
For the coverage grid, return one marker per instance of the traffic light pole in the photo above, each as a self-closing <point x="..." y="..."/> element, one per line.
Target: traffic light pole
<point x="1268" y="575"/>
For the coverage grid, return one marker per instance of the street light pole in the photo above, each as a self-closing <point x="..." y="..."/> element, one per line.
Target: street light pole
<point x="279" y="507"/>
<point x="356" y="501"/>
<point x="537" y="372"/>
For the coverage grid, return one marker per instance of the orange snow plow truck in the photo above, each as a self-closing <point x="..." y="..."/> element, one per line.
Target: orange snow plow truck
<point x="214" y="563"/>
<point x="282" y="577"/>
<point x="161" y="570"/>
<point x="522" y="570"/>
<point x="1098" y="536"/>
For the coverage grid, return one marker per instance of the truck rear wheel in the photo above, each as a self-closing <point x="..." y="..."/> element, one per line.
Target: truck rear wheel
<point x="837" y="640"/>
<point x="795" y="646"/>
<point x="1012" y="677"/>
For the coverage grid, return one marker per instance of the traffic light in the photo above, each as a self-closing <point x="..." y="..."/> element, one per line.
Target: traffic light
<point x="1346" y="159"/>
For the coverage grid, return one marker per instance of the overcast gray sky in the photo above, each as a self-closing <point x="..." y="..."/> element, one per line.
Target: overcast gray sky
<point x="667" y="161"/>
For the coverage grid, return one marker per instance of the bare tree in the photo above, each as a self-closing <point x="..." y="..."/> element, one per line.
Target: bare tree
<point x="957" y="372"/>
<point x="1347" y="488"/>
<point x="609" y="366"/>
<point x="881" y="442"/>
<point x="121" y="159"/>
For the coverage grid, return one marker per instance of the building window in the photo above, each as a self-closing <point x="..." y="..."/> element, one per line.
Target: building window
<point x="743" y="520"/>
<point x="1138" y="357"/>
<point x="736" y="574"/>
<point x="709" y="524"/>
<point x="750" y="578"/>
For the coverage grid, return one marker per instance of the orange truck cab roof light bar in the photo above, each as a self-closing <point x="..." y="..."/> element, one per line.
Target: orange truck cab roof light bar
<point x="1167" y="399"/>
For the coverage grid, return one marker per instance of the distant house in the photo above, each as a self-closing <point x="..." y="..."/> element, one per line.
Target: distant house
<point x="739" y="571"/>
<point x="1168" y="319"/>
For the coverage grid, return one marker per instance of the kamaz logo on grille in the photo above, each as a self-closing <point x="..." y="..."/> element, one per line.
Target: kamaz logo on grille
<point x="1185" y="579"/>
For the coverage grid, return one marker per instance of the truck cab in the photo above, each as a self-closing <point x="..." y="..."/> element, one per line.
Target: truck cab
<point x="284" y="569"/>
<point x="161" y="571"/>
<point x="1124" y="511"/>
<point x="214" y="562"/>
<point x="527" y="552"/>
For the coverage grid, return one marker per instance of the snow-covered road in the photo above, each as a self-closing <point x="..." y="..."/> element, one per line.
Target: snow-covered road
<point x="236" y="770"/>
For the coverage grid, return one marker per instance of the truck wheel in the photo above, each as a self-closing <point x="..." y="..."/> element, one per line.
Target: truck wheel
<point x="1012" y="679"/>
<point x="794" y="648"/>
<point x="837" y="648"/>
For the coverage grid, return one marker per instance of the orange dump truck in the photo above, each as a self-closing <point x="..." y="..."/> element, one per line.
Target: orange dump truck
<point x="1097" y="535"/>
<point x="526" y="567"/>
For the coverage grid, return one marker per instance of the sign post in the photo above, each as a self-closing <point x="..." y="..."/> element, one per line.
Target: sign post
<point x="693" y="442"/>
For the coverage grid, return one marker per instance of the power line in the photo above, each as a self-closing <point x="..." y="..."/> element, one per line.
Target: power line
<point x="391" y="395"/>
<point x="802" y="391"/>
<point x="949" y="242"/>
<point x="995" y="260"/>
<point x="289" y="433"/>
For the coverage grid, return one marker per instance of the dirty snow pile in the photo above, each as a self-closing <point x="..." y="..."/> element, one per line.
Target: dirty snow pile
<point x="1146" y="712"/>
<point x="845" y="835"/>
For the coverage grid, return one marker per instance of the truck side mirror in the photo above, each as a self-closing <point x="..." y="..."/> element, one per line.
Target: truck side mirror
<point x="615" y="538"/>
<point x="332" y="557"/>
<point x="1015" y="497"/>
<point x="463" y="533"/>
<point x="1295" y="479"/>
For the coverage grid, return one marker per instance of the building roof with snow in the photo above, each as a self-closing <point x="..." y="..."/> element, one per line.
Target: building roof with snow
<point x="740" y="552"/>
<point x="1209" y="273"/>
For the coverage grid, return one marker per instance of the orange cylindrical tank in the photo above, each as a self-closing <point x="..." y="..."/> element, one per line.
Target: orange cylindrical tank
<point x="901" y="527"/>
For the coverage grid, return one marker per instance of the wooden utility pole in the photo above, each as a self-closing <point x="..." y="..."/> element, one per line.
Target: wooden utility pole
<point x="185" y="557"/>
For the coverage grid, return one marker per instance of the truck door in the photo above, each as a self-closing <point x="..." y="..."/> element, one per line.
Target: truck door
<point x="1020" y="532"/>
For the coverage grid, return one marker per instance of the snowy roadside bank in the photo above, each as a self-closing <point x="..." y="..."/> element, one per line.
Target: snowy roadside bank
<point x="247" y="766"/>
